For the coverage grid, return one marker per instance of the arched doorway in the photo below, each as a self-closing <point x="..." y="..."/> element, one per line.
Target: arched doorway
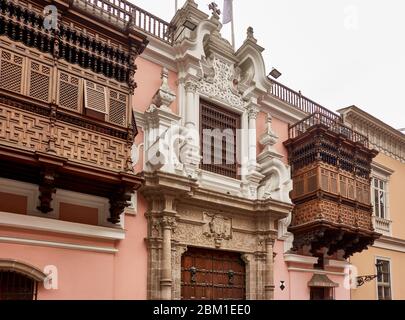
<point x="212" y="275"/>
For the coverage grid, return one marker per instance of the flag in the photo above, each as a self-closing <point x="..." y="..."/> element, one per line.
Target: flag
<point x="228" y="11"/>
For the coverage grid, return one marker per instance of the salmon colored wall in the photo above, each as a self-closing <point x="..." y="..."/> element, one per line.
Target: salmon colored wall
<point x="365" y="263"/>
<point x="81" y="274"/>
<point x="13" y="203"/>
<point x="281" y="273"/>
<point x="296" y="282"/>
<point x="279" y="127"/>
<point x="139" y="139"/>
<point x="131" y="260"/>
<point x="396" y="193"/>
<point x="79" y="214"/>
<point x="88" y="274"/>
<point x="148" y="79"/>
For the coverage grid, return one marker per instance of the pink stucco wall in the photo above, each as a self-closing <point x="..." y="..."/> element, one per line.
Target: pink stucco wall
<point x="296" y="282"/>
<point x="148" y="79"/>
<point x="87" y="274"/>
<point x="279" y="127"/>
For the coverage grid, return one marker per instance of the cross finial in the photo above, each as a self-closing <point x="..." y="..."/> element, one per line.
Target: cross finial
<point x="214" y="8"/>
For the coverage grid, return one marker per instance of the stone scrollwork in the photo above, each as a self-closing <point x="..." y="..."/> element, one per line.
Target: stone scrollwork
<point x="218" y="82"/>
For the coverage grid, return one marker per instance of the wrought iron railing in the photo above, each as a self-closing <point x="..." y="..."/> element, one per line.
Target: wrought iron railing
<point x="334" y="125"/>
<point x="297" y="100"/>
<point x="121" y="11"/>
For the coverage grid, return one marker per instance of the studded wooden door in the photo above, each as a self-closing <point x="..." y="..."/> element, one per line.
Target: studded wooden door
<point x="212" y="275"/>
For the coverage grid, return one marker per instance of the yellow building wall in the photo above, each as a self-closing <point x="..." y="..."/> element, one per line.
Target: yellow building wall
<point x="365" y="261"/>
<point x="396" y="194"/>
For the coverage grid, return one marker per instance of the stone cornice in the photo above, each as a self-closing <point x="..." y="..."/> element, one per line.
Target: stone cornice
<point x="188" y="192"/>
<point x="356" y="113"/>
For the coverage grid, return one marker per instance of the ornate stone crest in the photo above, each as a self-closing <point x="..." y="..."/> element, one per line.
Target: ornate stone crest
<point x="217" y="227"/>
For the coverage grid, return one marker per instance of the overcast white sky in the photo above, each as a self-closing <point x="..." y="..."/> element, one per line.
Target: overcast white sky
<point x="337" y="52"/>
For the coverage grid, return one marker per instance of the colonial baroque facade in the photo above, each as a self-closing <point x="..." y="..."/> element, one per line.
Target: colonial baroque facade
<point x="142" y="159"/>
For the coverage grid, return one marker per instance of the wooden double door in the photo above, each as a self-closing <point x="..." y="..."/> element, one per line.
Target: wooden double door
<point x="212" y="275"/>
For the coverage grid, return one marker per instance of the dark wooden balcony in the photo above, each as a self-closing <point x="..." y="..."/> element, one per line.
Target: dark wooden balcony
<point x="65" y="106"/>
<point x="331" y="167"/>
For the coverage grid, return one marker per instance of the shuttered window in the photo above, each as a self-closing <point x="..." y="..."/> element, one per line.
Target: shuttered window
<point x="69" y="89"/>
<point x="11" y="70"/>
<point x="95" y="97"/>
<point x="40" y="80"/>
<point x="218" y="129"/>
<point x="118" y="108"/>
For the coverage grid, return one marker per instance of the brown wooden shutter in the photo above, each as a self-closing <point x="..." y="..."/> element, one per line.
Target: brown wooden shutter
<point x="118" y="108"/>
<point x="69" y="90"/>
<point x="40" y="80"/>
<point x="213" y="117"/>
<point x="11" y="70"/>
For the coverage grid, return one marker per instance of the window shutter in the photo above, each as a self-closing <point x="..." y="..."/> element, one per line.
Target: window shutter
<point x="69" y="91"/>
<point x="11" y="69"/>
<point x="39" y="81"/>
<point x="95" y="97"/>
<point x="118" y="108"/>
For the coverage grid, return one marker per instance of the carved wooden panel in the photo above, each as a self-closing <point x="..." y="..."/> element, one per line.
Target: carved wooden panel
<point x="11" y="71"/>
<point x="39" y="81"/>
<point x="91" y="147"/>
<point x="69" y="91"/>
<point x="22" y="129"/>
<point x="31" y="131"/>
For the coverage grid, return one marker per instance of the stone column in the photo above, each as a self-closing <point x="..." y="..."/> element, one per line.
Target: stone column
<point x="252" y="114"/>
<point x="166" y="267"/>
<point x="190" y="107"/>
<point x="269" y="287"/>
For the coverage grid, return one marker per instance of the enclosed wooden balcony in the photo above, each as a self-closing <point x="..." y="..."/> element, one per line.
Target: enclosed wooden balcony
<point x="331" y="167"/>
<point x="65" y="103"/>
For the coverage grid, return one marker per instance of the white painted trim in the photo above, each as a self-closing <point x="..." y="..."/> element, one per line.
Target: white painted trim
<point x="317" y="271"/>
<point x="220" y="183"/>
<point x="57" y="245"/>
<point x="300" y="259"/>
<point x="390" y="244"/>
<point x="336" y="263"/>
<point x="50" y="225"/>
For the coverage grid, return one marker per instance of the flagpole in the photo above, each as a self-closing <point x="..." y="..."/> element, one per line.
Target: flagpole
<point x="176" y="5"/>
<point x="233" y="28"/>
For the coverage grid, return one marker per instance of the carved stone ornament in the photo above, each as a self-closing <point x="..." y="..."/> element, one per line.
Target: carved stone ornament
<point x="217" y="227"/>
<point x="165" y="95"/>
<point x="218" y="82"/>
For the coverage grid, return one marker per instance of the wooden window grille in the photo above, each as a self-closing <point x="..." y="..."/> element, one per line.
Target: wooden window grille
<point x="95" y="97"/>
<point x="350" y="193"/>
<point x="299" y="186"/>
<point x="118" y="108"/>
<point x="225" y="123"/>
<point x="325" y="179"/>
<point x="333" y="182"/>
<point x="11" y="71"/>
<point x="312" y="180"/>
<point x="39" y="81"/>
<point x="69" y="91"/>
<point x="343" y="186"/>
<point x="15" y="286"/>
